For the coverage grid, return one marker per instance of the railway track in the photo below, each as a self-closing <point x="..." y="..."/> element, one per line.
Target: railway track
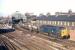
<point x="31" y="43"/>
<point x="26" y="40"/>
<point x="46" y="42"/>
<point x="70" y="45"/>
<point x="15" y="41"/>
<point x="7" y="44"/>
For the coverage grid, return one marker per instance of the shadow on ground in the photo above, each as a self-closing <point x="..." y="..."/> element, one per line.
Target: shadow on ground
<point x="2" y="31"/>
<point x="3" y="47"/>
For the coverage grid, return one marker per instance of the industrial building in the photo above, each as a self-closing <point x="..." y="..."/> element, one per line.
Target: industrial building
<point x="66" y="20"/>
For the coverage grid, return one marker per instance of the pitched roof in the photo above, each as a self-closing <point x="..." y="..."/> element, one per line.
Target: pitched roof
<point x="57" y="18"/>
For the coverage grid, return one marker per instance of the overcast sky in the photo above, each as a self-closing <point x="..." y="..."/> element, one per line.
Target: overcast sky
<point x="36" y="6"/>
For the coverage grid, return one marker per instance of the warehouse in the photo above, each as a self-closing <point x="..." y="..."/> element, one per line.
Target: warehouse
<point x="62" y="20"/>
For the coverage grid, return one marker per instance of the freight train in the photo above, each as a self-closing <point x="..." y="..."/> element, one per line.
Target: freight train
<point x="54" y="31"/>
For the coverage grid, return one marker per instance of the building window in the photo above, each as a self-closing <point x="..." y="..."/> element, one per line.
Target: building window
<point x="72" y="23"/>
<point x="55" y="22"/>
<point x="44" y="22"/>
<point x="68" y="24"/>
<point x="65" y="23"/>
<point x="41" y="21"/>
<point x="50" y="22"/>
<point x="58" y="23"/>
<point x="38" y="21"/>
<point x="61" y="23"/>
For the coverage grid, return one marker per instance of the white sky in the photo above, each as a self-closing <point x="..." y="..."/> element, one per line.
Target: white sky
<point x="36" y="6"/>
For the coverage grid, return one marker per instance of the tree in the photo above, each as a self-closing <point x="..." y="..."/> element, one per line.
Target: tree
<point x="48" y="14"/>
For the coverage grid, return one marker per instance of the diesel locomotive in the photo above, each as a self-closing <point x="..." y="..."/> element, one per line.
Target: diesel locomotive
<point x="55" y="31"/>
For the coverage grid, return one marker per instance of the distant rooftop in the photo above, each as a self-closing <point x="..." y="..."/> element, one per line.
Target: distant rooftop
<point x="65" y="13"/>
<point x="57" y="18"/>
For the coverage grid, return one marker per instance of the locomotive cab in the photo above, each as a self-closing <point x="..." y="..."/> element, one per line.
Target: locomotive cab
<point x="65" y="33"/>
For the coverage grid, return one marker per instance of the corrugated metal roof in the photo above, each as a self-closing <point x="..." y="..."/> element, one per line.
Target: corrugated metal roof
<point x="57" y="18"/>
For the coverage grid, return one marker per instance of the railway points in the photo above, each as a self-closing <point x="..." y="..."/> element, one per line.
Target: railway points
<point x="8" y="44"/>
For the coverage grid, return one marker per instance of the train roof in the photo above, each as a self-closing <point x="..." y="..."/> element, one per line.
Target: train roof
<point x="57" y="18"/>
<point x="51" y="26"/>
